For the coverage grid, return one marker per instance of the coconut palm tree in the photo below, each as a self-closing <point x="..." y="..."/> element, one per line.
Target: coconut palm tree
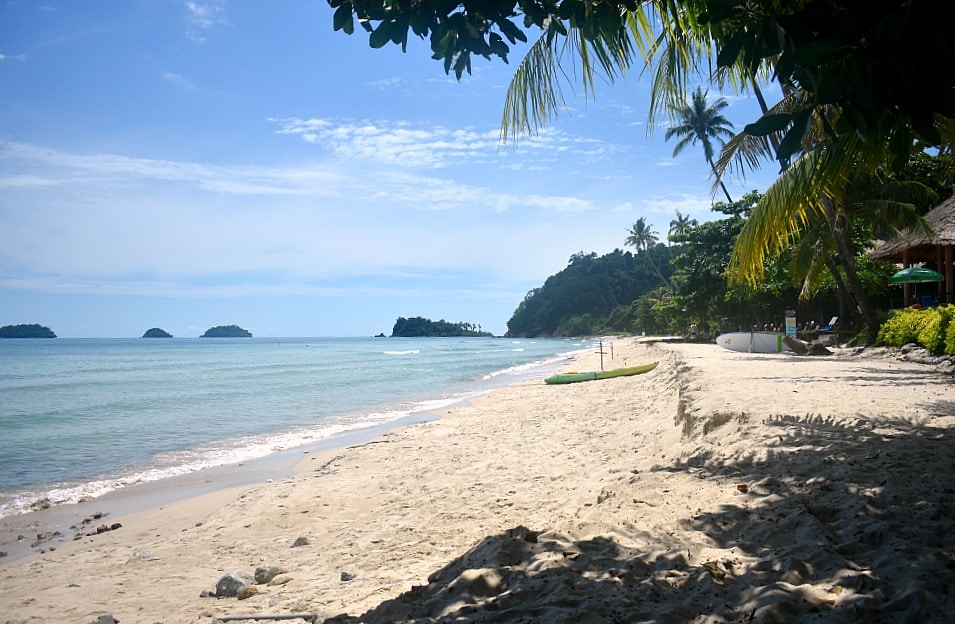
<point x="643" y="238"/>
<point x="700" y="123"/>
<point x="680" y="225"/>
<point x="826" y="143"/>
<point x="822" y="195"/>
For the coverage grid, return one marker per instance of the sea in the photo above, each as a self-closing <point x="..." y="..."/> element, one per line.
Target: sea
<point x="82" y="418"/>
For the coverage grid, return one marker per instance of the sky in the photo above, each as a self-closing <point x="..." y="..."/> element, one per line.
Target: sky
<point x="184" y="165"/>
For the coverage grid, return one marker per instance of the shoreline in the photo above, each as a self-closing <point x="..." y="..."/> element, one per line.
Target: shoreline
<point x="43" y="530"/>
<point x="718" y="487"/>
<point x="236" y="403"/>
<point x="63" y="523"/>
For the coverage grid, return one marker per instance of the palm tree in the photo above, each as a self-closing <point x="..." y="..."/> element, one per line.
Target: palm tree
<point x="680" y="225"/>
<point x="699" y="123"/>
<point x="822" y="196"/>
<point x="643" y="238"/>
<point x="867" y="130"/>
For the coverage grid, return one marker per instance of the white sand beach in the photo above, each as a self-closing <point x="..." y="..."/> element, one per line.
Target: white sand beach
<point x="719" y="487"/>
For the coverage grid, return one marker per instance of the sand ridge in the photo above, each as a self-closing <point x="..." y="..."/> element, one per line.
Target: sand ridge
<point x="719" y="487"/>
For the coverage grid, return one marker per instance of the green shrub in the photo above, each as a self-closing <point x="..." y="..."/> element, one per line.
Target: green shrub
<point x="902" y="327"/>
<point x="931" y="328"/>
<point x="932" y="335"/>
<point x="950" y="339"/>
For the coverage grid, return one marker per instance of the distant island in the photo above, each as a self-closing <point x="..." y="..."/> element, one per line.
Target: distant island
<point x="226" y="331"/>
<point x="26" y="331"/>
<point x="156" y="332"/>
<point x="419" y="327"/>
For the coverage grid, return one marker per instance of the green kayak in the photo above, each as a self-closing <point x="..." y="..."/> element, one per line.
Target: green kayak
<point x="566" y="378"/>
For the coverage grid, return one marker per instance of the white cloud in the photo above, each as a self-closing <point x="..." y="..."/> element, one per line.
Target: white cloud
<point x="178" y="80"/>
<point x="53" y="167"/>
<point x="95" y="217"/>
<point x="386" y="83"/>
<point x="398" y="144"/>
<point x="697" y="207"/>
<point x="27" y="166"/>
<point x="202" y="17"/>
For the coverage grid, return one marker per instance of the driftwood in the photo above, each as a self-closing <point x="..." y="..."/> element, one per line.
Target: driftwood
<point x="801" y="347"/>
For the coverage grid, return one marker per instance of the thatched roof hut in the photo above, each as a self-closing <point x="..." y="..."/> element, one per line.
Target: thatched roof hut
<point x="937" y="248"/>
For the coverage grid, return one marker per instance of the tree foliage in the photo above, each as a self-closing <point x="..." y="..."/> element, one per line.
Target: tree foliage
<point x="860" y="95"/>
<point x="32" y="330"/>
<point x="226" y="331"/>
<point x="679" y="226"/>
<point x="580" y="299"/>
<point x="420" y="327"/>
<point x="857" y="56"/>
<point x="700" y="123"/>
<point x="156" y="332"/>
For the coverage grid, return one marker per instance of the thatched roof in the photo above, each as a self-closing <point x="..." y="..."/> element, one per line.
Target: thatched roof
<point x="922" y="247"/>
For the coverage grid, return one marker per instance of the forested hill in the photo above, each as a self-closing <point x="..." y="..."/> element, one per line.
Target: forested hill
<point x="592" y="294"/>
<point x="26" y="331"/>
<point x="417" y="327"/>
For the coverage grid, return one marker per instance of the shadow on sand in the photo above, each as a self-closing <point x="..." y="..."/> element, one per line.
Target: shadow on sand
<point x="836" y="522"/>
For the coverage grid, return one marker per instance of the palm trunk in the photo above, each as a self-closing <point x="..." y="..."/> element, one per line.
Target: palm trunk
<point x="844" y="294"/>
<point x="860" y="298"/>
<point x="722" y="186"/>
<point x="656" y="270"/>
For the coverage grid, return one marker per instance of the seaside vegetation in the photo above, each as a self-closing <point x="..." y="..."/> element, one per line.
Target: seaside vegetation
<point x="419" y="327"/>
<point x="26" y="331"/>
<point x="666" y="289"/>
<point x="157" y="332"/>
<point x="857" y="106"/>
<point x="226" y="331"/>
<point x="591" y="293"/>
<point x="931" y="328"/>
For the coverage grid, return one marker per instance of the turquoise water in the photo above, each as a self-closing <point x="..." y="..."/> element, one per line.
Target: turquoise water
<point x="83" y="417"/>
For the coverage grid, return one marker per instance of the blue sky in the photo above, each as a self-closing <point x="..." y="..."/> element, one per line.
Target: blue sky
<point x="189" y="164"/>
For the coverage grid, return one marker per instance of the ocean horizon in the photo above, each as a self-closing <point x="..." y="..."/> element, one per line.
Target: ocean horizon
<point x="83" y="417"/>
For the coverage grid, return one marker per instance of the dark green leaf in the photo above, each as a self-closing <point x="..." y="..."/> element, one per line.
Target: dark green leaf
<point x="380" y="36"/>
<point x="792" y="142"/>
<point x="729" y="52"/>
<point x="342" y="19"/>
<point x="568" y="9"/>
<point x="497" y="45"/>
<point x="768" y="124"/>
<point x="900" y="144"/>
<point x="463" y="63"/>
<point x="512" y="32"/>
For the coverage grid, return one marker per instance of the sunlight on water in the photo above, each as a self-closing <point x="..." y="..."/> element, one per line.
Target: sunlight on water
<point x="80" y="418"/>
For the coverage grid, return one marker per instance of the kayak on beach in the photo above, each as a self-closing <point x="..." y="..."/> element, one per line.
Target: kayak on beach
<point x="574" y="377"/>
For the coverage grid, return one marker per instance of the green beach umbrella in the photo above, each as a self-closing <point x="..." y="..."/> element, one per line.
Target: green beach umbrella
<point x="914" y="275"/>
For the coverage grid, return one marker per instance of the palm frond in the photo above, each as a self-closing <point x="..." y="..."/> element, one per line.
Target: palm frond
<point x="776" y="219"/>
<point x="534" y="94"/>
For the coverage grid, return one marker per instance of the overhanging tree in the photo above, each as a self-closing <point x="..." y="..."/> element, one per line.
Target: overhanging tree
<point x="856" y="55"/>
<point x="847" y="68"/>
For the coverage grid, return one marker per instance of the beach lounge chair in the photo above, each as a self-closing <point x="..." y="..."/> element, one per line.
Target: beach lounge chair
<point x="831" y="326"/>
